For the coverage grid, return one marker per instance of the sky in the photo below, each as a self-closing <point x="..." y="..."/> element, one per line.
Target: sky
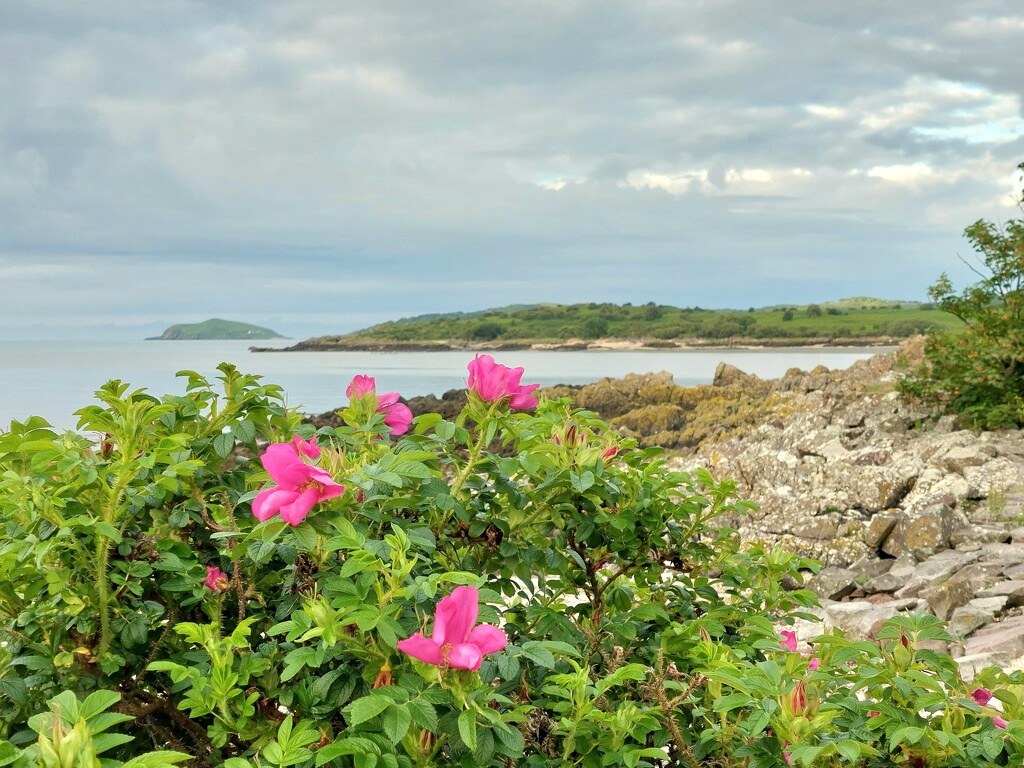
<point x="317" y="166"/>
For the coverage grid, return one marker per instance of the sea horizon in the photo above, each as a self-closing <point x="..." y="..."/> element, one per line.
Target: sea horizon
<point x="53" y="378"/>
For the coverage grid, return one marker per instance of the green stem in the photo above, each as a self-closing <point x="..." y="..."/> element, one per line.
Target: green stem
<point x="102" y="559"/>
<point x="474" y="451"/>
<point x="103" y="592"/>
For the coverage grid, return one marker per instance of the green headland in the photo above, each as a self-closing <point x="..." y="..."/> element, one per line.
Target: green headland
<point x="857" y="321"/>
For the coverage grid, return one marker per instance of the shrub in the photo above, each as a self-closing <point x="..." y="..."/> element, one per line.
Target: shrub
<point x="487" y="331"/>
<point x="595" y="328"/>
<point x="978" y="372"/>
<point x="626" y="626"/>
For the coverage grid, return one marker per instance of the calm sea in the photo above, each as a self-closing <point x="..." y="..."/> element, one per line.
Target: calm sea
<point x="54" y="378"/>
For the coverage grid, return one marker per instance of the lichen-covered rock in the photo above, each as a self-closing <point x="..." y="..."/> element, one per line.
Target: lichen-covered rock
<point x="946" y="597"/>
<point x="881" y="525"/>
<point x="924" y="534"/>
<point x="729" y="375"/>
<point x="833" y="583"/>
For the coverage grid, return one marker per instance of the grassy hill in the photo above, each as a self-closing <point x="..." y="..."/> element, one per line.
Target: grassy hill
<point x="215" y="328"/>
<point x="858" y="320"/>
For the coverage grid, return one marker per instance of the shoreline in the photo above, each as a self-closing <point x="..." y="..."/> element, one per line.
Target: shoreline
<point x="579" y="345"/>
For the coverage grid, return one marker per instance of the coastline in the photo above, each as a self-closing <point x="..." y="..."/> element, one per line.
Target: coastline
<point x="338" y="344"/>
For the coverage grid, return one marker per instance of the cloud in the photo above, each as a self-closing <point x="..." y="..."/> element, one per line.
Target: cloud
<point x="333" y="162"/>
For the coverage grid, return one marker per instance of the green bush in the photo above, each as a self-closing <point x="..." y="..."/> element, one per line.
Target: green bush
<point x="594" y="328"/>
<point x="147" y="616"/>
<point x="487" y="331"/>
<point x="977" y="372"/>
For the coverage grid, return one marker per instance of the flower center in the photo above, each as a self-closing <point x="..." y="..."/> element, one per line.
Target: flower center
<point x="314" y="484"/>
<point x="446" y="648"/>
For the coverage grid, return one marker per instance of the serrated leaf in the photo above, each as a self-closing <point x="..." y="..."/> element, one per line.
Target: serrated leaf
<point x="305" y="536"/>
<point x="508" y="666"/>
<point x="353" y="745"/>
<point x="367" y="708"/>
<point x="244" y="431"/>
<point x="510" y="740"/>
<point x="731" y="702"/>
<point x="538" y="654"/>
<point x="467" y="728"/>
<point x="105" y="720"/>
<point x="484" y="749"/>
<point x="396" y="722"/>
<point x="224" y="444"/>
<point x="423" y="714"/>
<point x="157" y="759"/>
<point x="104" y="741"/>
<point x="850" y="750"/>
<point x="15" y="689"/>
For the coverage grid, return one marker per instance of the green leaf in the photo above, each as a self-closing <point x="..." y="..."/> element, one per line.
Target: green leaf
<point x="508" y="666"/>
<point x="582" y="481"/>
<point x="538" y="654"/>
<point x="305" y="536"/>
<point x="157" y="759"/>
<point x="8" y="754"/>
<point x="224" y="444"/>
<point x="244" y="431"/>
<point x="510" y="740"/>
<point x="731" y="702"/>
<point x="104" y="741"/>
<point x="484" y="749"/>
<point x="66" y="705"/>
<point x="850" y="750"/>
<point x="351" y="746"/>
<point x="467" y="728"/>
<point x="423" y="714"/>
<point x="396" y="722"/>
<point x="101" y="722"/>
<point x="367" y="708"/>
<point x="15" y="689"/>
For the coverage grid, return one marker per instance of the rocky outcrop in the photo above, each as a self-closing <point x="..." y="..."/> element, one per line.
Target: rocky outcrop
<point x="842" y="468"/>
<point x="908" y="513"/>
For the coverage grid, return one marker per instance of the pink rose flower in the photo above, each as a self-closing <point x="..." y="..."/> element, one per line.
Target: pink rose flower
<point x="999" y="722"/>
<point x="788" y="642"/>
<point x="359" y="386"/>
<point x="397" y="415"/>
<point x="814" y="664"/>
<point x="493" y="381"/>
<point x="300" y="486"/>
<point x="981" y="696"/>
<point x="216" y="580"/>
<point x="455" y="642"/>
<point x="307" y="447"/>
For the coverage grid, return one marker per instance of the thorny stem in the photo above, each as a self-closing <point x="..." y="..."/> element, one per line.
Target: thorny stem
<point x="667" y="705"/>
<point x="171" y="621"/>
<point x="102" y="559"/>
<point x="236" y="570"/>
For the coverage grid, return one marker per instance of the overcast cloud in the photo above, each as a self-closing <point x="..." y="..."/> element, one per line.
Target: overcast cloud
<point x="317" y="165"/>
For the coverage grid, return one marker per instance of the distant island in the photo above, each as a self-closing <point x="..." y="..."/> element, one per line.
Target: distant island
<point x="858" y="321"/>
<point x="215" y="329"/>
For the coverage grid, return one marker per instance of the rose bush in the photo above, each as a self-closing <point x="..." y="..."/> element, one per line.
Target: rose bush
<point x="201" y="577"/>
